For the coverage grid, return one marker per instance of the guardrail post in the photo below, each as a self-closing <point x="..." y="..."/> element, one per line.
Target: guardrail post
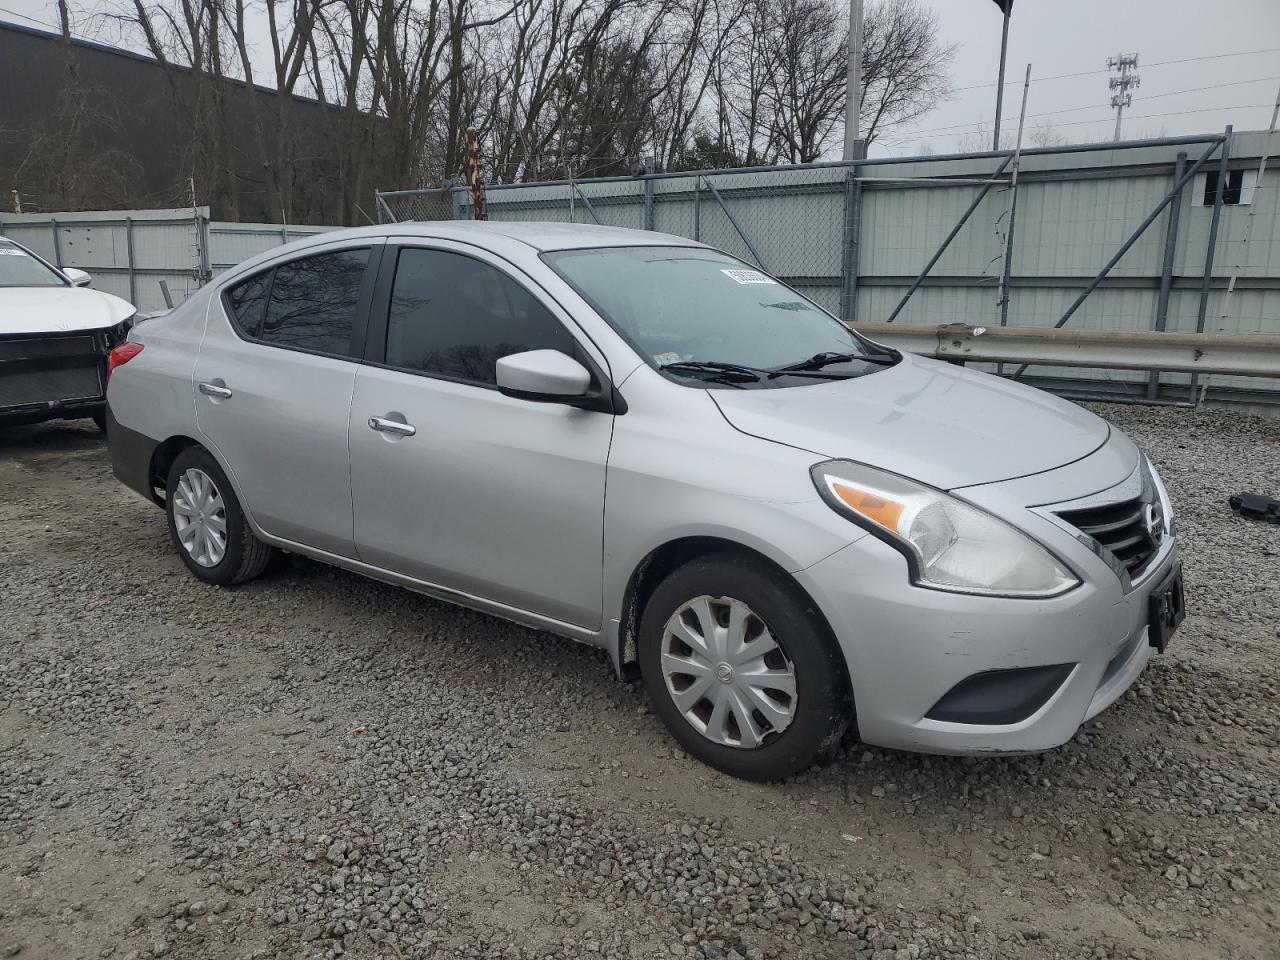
<point x="128" y="245"/>
<point x="1166" y="269"/>
<point x="1211" y="245"/>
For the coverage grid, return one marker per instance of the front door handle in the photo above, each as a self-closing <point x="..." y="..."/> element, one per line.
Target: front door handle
<point x="398" y="427"/>
<point x="215" y="388"/>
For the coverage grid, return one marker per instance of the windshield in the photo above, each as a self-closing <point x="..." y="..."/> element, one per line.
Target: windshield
<point x="682" y="307"/>
<point x="20" y="269"/>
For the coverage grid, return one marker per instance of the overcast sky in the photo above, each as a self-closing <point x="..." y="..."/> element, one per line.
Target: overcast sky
<point x="1075" y="37"/>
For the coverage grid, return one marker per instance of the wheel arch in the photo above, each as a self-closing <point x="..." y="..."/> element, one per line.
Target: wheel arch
<point x="162" y="459"/>
<point x="166" y="452"/>
<point x="671" y="555"/>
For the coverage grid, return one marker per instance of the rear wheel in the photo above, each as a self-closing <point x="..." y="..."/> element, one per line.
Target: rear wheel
<point x="207" y="524"/>
<point x="742" y="669"/>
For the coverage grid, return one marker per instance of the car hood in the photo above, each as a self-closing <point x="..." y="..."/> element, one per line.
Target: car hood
<point x="934" y="422"/>
<point x="59" y="309"/>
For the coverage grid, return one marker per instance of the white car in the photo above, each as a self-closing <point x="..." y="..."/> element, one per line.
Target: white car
<point x="55" y="334"/>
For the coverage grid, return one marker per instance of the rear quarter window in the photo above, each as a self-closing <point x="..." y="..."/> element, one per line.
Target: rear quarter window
<point x="247" y="302"/>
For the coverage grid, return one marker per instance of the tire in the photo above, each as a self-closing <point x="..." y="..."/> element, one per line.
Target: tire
<point x="818" y="711"/>
<point x="187" y="505"/>
<point x="99" y="421"/>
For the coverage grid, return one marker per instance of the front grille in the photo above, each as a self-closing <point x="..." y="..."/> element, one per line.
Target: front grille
<point x="43" y="386"/>
<point x="1119" y="527"/>
<point x="51" y="369"/>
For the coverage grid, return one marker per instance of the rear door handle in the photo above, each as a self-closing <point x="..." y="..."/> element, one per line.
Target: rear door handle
<point x="215" y="388"/>
<point x="398" y="427"/>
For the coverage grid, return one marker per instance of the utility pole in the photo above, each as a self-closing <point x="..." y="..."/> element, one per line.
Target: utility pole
<point x="853" y="81"/>
<point x="1122" y="63"/>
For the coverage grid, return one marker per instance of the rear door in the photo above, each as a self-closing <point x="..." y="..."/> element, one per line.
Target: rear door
<point x="273" y="383"/>
<point x="489" y="495"/>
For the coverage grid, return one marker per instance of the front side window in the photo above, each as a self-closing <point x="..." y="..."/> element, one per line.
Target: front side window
<point x="454" y="316"/>
<point x="18" y="268"/>
<point x="687" y="305"/>
<point x="311" y="304"/>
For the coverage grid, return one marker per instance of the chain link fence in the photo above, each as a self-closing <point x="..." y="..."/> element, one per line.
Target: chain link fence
<point x="1134" y="236"/>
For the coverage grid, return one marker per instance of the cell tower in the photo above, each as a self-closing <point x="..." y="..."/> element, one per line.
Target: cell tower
<point x="1120" y="97"/>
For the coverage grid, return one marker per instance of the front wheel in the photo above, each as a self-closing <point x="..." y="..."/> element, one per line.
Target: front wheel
<point x="742" y="669"/>
<point x="207" y="524"/>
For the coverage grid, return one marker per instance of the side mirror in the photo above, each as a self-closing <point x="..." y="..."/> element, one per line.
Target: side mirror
<point x="544" y="375"/>
<point x="77" y="277"/>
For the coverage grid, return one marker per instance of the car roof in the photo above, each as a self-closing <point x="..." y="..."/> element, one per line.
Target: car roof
<point x="539" y="235"/>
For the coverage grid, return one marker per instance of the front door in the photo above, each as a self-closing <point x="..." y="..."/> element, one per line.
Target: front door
<point x="454" y="483"/>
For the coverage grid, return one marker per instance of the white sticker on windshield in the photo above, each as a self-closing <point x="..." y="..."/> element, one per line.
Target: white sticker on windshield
<point x="747" y="276"/>
<point x="11" y="252"/>
<point x="662" y="359"/>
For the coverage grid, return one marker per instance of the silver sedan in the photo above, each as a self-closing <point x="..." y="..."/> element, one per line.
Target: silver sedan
<point x="643" y="444"/>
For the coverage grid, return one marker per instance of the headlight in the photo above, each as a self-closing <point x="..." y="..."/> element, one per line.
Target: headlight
<point x="948" y="544"/>
<point x="1166" y="505"/>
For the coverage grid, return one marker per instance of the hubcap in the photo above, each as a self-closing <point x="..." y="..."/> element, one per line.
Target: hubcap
<point x="200" y="517"/>
<point x="726" y="674"/>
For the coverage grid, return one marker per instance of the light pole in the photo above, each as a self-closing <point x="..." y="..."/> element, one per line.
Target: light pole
<point x="853" y="82"/>
<point x="1004" y="50"/>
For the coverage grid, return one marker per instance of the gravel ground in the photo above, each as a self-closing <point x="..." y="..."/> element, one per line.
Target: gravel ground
<point x="317" y="765"/>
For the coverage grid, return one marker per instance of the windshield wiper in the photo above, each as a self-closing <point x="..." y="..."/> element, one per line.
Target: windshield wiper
<point x="714" y="366"/>
<point x="827" y="357"/>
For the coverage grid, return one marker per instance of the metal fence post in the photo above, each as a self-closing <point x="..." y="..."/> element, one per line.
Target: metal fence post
<point x="57" y="244"/>
<point x="697" y="207"/>
<point x="849" y="239"/>
<point x="206" y="269"/>
<point x="648" y="202"/>
<point x="1211" y="246"/>
<point x="128" y="245"/>
<point x="1166" y="269"/>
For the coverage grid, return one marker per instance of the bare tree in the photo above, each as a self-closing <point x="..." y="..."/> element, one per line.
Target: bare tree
<point x="781" y="86"/>
<point x="905" y="66"/>
<point x="552" y="88"/>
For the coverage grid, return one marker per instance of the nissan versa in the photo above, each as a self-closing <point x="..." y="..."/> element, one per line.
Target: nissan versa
<point x="642" y="443"/>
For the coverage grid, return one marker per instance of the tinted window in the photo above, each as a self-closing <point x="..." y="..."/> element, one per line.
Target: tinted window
<point x="248" y="300"/>
<point x="313" y="302"/>
<point x="456" y="316"/>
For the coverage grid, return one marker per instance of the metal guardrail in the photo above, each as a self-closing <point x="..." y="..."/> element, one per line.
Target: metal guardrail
<point x="1245" y="355"/>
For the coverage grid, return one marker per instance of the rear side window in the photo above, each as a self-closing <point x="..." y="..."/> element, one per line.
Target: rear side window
<point x="455" y="316"/>
<point x="308" y="304"/>
<point x="248" y="302"/>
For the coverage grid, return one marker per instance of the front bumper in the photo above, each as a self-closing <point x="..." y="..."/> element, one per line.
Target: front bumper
<point x="907" y="648"/>
<point x="54" y="376"/>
